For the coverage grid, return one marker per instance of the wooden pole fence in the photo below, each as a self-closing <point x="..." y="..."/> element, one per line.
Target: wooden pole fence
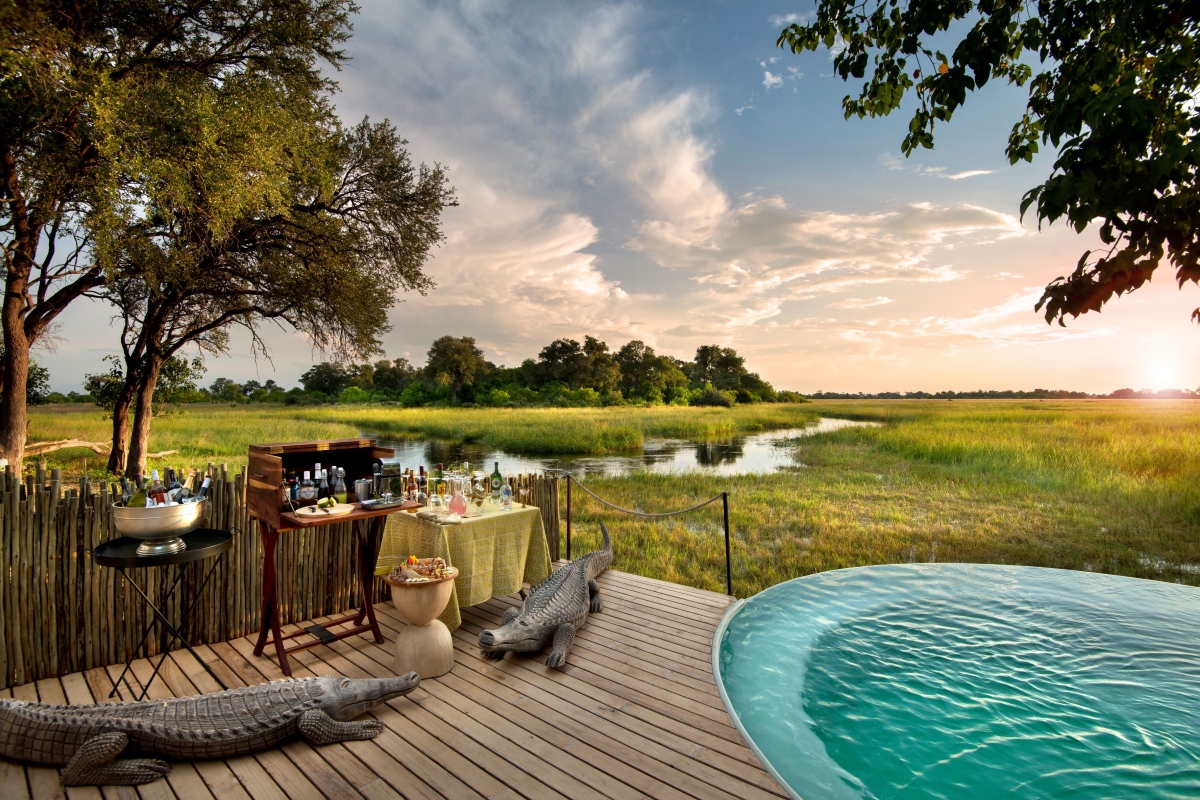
<point x="62" y="613"/>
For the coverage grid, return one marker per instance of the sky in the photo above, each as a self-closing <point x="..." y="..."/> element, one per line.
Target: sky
<point x="663" y="172"/>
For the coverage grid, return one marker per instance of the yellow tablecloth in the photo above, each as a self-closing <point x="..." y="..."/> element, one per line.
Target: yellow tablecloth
<point x="494" y="553"/>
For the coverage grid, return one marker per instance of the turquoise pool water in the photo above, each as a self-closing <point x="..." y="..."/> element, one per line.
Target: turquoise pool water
<point x="969" y="681"/>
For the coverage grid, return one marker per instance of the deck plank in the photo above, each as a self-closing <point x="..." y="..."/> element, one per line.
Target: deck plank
<point x="634" y="713"/>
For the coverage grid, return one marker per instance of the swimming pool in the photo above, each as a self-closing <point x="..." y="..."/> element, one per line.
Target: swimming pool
<point x="968" y="681"/>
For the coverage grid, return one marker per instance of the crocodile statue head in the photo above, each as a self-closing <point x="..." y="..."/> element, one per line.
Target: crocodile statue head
<point x="344" y="699"/>
<point x="553" y="611"/>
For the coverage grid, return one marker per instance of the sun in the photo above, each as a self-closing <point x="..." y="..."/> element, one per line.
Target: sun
<point x="1163" y="374"/>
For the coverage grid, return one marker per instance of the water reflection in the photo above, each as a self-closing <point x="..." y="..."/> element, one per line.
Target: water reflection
<point x="757" y="453"/>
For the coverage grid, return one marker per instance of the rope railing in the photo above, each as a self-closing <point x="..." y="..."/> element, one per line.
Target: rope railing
<point x="723" y="497"/>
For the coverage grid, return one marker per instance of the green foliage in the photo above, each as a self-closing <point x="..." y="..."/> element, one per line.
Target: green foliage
<point x="1112" y="87"/>
<point x="176" y="384"/>
<point x="37" y="384"/>
<point x="326" y="378"/>
<point x="354" y="394"/>
<point x="104" y="387"/>
<point x="455" y="362"/>
<point x="713" y="397"/>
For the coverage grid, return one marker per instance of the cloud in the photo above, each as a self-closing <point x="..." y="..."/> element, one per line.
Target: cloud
<point x="1004" y="275"/>
<point x="890" y="161"/>
<point x="741" y="109"/>
<point x="790" y="19"/>
<point x="861" y="302"/>
<point x="772" y="81"/>
<point x="764" y="248"/>
<point x="971" y="173"/>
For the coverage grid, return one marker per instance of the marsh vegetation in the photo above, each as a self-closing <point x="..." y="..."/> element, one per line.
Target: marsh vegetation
<point x="1095" y="485"/>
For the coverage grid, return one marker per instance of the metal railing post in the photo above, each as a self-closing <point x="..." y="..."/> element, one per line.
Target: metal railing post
<point x="728" y="556"/>
<point x="568" y="517"/>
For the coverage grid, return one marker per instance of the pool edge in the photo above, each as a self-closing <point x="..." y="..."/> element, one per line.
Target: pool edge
<point x="715" y="660"/>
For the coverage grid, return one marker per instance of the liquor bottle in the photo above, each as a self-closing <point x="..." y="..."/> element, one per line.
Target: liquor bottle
<point x="323" y="487"/>
<point x="439" y="480"/>
<point x="423" y="481"/>
<point x="308" y="490"/>
<point x="138" y="498"/>
<point x="158" y="492"/>
<point x="203" y="493"/>
<point x="293" y="488"/>
<point x="339" y="484"/>
<point x="174" y="487"/>
<point x="497" y="482"/>
<point x="126" y="493"/>
<point x="506" y="497"/>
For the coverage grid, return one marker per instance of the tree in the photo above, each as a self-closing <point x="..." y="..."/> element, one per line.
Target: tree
<point x="77" y="82"/>
<point x="645" y="374"/>
<point x="326" y="378"/>
<point x="455" y="362"/>
<point x="293" y="220"/>
<point x="394" y="376"/>
<point x="1114" y="92"/>
<point x="225" y="390"/>
<point x="601" y="371"/>
<point x="720" y="366"/>
<point x="562" y="361"/>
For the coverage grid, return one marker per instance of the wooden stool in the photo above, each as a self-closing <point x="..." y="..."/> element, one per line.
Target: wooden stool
<point x="424" y="646"/>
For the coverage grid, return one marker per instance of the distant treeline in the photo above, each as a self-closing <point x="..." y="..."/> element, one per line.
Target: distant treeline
<point x="1012" y="394"/>
<point x="565" y="373"/>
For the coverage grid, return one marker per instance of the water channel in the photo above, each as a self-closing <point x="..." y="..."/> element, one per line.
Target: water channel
<point x="738" y="455"/>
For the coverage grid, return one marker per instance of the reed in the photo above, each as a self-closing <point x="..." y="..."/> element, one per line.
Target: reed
<point x="1110" y="486"/>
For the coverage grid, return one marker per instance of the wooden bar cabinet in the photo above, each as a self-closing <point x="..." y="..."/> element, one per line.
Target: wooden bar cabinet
<point x="264" y="498"/>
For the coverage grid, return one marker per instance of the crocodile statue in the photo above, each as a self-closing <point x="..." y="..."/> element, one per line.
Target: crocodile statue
<point x="553" y="611"/>
<point x="89" y="738"/>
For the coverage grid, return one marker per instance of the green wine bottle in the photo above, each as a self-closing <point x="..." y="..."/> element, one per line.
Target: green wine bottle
<point x="497" y="482"/>
<point x="138" y="499"/>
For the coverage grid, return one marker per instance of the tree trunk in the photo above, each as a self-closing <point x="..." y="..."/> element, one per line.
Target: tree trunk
<point x="120" y="435"/>
<point x="139" y="442"/>
<point x="13" y="420"/>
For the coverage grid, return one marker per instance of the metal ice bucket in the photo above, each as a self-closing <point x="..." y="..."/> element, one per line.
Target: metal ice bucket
<point x="160" y="527"/>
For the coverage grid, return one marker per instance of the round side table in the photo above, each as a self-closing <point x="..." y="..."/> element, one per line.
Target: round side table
<point x="121" y="554"/>
<point x="425" y="645"/>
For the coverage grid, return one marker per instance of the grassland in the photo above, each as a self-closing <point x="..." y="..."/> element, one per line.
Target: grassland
<point x="204" y="433"/>
<point x="1102" y="485"/>
<point x="1096" y="485"/>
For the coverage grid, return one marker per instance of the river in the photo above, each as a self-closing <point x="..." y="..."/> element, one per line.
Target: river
<point x="739" y="455"/>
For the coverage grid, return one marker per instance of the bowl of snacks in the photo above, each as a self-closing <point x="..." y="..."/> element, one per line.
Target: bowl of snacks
<point x="421" y="588"/>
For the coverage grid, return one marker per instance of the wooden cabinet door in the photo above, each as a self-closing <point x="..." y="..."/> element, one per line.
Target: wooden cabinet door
<point x="264" y="490"/>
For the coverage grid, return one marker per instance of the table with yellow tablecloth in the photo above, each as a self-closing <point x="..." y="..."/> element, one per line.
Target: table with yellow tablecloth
<point x="494" y="552"/>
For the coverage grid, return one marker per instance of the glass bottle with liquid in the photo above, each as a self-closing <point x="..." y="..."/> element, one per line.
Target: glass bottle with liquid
<point x="339" y="484"/>
<point x="497" y="483"/>
<point x="138" y="498"/>
<point x="308" y="490"/>
<point x="157" y="492"/>
<point x="506" y="497"/>
<point x="323" y="489"/>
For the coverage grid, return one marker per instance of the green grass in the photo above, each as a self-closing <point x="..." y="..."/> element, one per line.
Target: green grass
<point x="1110" y="486"/>
<point x="568" y="431"/>
<point x="204" y="433"/>
<point x="1106" y="486"/>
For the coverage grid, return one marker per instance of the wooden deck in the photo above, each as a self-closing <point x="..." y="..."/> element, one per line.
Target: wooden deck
<point x="634" y="713"/>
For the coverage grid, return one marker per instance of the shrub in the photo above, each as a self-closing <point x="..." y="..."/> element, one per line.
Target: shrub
<point x="585" y="398"/>
<point x="416" y="394"/>
<point x="612" y="398"/>
<point x="496" y="398"/>
<point x="353" y="394"/>
<point x="713" y="397"/>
